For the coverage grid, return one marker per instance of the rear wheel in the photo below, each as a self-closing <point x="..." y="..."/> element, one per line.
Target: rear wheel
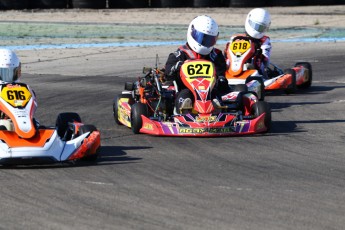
<point x="116" y="106"/>
<point x="137" y="110"/>
<point x="261" y="107"/>
<point x="85" y="129"/>
<point x="307" y="65"/>
<point x="292" y="87"/>
<point x="62" y="122"/>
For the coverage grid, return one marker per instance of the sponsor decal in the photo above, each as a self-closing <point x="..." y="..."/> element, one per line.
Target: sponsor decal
<point x="205" y="130"/>
<point x="206" y="119"/>
<point x="230" y="96"/>
<point x="260" y="125"/>
<point x="10" y="86"/>
<point x="148" y="126"/>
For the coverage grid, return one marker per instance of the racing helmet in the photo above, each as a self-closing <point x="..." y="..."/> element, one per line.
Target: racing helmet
<point x="202" y="34"/>
<point x="9" y="66"/>
<point x="257" y="23"/>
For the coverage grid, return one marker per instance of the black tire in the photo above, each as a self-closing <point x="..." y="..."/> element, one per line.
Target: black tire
<point x="261" y="107"/>
<point x="85" y="129"/>
<point x="292" y="87"/>
<point x="91" y="4"/>
<point x="206" y="3"/>
<point x="137" y="110"/>
<point x="247" y="3"/>
<point x="48" y="4"/>
<point x="284" y="2"/>
<point x="14" y="4"/>
<point x="240" y="88"/>
<point x="62" y="122"/>
<point x="128" y="3"/>
<point x="319" y="2"/>
<point x="308" y="83"/>
<point x="171" y="3"/>
<point x="116" y="106"/>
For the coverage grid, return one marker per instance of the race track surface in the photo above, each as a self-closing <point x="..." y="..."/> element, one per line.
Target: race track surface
<point x="290" y="178"/>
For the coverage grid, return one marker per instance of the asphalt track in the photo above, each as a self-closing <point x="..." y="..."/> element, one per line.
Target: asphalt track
<point x="290" y="178"/>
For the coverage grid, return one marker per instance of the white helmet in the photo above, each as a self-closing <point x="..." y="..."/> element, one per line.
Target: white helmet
<point x="258" y="22"/>
<point x="202" y="34"/>
<point x="9" y="66"/>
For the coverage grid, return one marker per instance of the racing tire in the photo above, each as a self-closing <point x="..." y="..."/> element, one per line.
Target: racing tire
<point x="137" y="110"/>
<point x="261" y="107"/>
<point x="90" y="4"/>
<point x="307" y="65"/>
<point x="206" y="3"/>
<point x="85" y="129"/>
<point x="116" y="106"/>
<point x="292" y="87"/>
<point x="62" y="122"/>
<point x="48" y="4"/>
<point x="14" y="4"/>
<point x="247" y="3"/>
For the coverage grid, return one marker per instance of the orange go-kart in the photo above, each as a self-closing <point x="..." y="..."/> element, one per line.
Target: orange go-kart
<point x="241" y="71"/>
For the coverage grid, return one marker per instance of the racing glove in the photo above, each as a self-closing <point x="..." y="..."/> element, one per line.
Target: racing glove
<point x="176" y="68"/>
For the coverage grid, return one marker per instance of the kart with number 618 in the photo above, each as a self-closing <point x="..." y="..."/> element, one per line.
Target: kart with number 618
<point x="241" y="71"/>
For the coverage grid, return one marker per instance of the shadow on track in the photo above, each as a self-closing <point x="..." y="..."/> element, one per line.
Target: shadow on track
<point x="315" y="89"/>
<point x="109" y="155"/>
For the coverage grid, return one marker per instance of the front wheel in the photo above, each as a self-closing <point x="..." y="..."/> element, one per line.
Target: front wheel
<point x="262" y="107"/>
<point x="116" y="106"/>
<point x="137" y="110"/>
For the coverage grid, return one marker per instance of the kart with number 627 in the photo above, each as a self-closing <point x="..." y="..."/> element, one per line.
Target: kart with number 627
<point x="147" y="106"/>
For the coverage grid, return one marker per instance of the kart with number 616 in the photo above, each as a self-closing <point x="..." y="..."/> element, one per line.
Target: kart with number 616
<point x="24" y="141"/>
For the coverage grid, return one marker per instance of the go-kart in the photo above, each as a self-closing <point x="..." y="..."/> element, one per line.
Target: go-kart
<point x="241" y="71"/>
<point x="24" y="141"/>
<point x="147" y="106"/>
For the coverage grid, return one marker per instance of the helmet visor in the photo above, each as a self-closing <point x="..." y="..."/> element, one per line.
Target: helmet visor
<point x="8" y="74"/>
<point x="257" y="26"/>
<point x="204" y="39"/>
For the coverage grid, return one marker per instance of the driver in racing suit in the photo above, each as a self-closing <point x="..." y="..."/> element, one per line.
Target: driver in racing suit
<point x="257" y="23"/>
<point x="201" y="38"/>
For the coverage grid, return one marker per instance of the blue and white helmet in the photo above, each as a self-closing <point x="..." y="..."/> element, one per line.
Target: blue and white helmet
<point x="9" y="66"/>
<point x="202" y="34"/>
<point x="257" y="23"/>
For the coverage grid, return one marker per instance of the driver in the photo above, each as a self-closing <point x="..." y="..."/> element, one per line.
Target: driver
<point x="10" y="72"/>
<point x="202" y="36"/>
<point x="257" y="24"/>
